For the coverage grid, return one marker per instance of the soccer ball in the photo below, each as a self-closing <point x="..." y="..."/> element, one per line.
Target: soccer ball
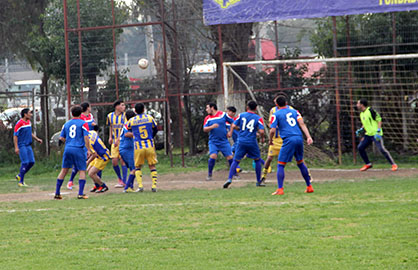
<point x="143" y="63"/>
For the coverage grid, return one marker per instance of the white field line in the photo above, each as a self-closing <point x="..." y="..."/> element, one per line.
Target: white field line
<point x="203" y="204"/>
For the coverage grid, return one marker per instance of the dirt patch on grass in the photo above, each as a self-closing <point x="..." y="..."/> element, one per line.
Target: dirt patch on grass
<point x="198" y="180"/>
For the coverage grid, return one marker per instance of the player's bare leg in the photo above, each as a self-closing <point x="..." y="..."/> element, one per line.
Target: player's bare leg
<point x="97" y="181"/>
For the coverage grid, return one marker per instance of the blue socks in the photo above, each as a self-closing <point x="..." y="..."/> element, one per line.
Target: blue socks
<point x="280" y="175"/>
<point x="117" y="171"/>
<point x="74" y="172"/>
<point x="211" y="165"/>
<point x="233" y="169"/>
<point x="305" y="173"/>
<point x="258" y="170"/>
<point x="81" y="184"/>
<point x="58" y="188"/>
<point x="24" y="168"/>
<point x="130" y="183"/>
<point x="124" y="173"/>
<point x="99" y="174"/>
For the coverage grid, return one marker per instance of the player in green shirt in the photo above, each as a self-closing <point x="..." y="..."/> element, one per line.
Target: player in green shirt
<point x="372" y="126"/>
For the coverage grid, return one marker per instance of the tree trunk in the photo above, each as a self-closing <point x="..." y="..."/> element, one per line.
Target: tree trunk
<point x="192" y="135"/>
<point x="92" y="87"/>
<point x="45" y="112"/>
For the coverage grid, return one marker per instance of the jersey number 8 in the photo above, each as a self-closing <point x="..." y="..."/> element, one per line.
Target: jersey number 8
<point x="72" y="131"/>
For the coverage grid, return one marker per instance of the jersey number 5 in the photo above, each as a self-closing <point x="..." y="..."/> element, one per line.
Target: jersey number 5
<point x="290" y="120"/>
<point x="249" y="126"/>
<point x="143" y="132"/>
<point x="72" y="133"/>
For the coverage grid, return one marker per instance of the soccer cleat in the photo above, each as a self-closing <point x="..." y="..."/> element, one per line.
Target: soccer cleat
<point x="261" y="183"/>
<point x="278" y="191"/>
<point x="309" y="189"/>
<point x="57" y="197"/>
<point x="209" y="178"/>
<point x="22" y="184"/>
<point x="141" y="189"/>
<point x="128" y="190"/>
<point x="82" y="197"/>
<point x="120" y="184"/>
<point x="70" y="185"/>
<point x="236" y="176"/>
<point x="227" y="183"/>
<point x="102" y="189"/>
<point x="94" y="189"/>
<point x="366" y="167"/>
<point x="18" y="178"/>
<point x="394" y="167"/>
<point x="154" y="189"/>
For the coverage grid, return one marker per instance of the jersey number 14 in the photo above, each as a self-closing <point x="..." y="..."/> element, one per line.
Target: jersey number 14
<point x="249" y="126"/>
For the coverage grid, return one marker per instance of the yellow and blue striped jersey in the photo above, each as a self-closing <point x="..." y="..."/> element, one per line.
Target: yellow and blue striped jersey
<point x="116" y="122"/>
<point x="277" y="140"/>
<point x="97" y="146"/>
<point x="141" y="126"/>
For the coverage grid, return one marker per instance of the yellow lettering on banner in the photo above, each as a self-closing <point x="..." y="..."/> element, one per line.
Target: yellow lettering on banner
<point x="396" y="2"/>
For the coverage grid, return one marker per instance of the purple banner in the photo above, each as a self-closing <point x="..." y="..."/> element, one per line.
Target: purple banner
<point x="242" y="11"/>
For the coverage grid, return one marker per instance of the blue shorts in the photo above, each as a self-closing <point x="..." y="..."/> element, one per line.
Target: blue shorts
<point x="128" y="157"/>
<point x="26" y="154"/>
<point x="74" y="156"/>
<point x="223" y="147"/>
<point x="292" y="146"/>
<point x="251" y="150"/>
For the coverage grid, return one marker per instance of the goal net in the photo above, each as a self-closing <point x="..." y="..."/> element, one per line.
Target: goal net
<point x="326" y="91"/>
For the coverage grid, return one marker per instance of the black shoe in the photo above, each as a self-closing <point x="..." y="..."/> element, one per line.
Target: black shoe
<point x="227" y="183"/>
<point x="94" y="189"/>
<point x="261" y="183"/>
<point x="57" y="197"/>
<point x="102" y="189"/>
<point x="154" y="189"/>
<point x="140" y="189"/>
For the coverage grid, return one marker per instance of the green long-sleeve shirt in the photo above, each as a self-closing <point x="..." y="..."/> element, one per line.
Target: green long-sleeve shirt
<point x="370" y="125"/>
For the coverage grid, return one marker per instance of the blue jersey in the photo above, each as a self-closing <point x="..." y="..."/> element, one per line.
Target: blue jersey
<point x="23" y="132"/>
<point x="126" y="143"/>
<point x="74" y="131"/>
<point x="142" y="126"/>
<point x="249" y="123"/>
<point x="286" y="120"/>
<point x="235" y="132"/>
<point x="97" y="145"/>
<point x="218" y="135"/>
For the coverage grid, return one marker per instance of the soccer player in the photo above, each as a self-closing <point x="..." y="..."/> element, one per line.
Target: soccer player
<point x="215" y="125"/>
<point x="144" y="129"/>
<point x="274" y="149"/>
<point x="87" y="116"/>
<point x="126" y="150"/>
<point x="372" y="125"/>
<point x="290" y="123"/>
<point x="101" y="158"/>
<point x="232" y="111"/>
<point x="22" y="139"/>
<point x="75" y="134"/>
<point x="116" y="120"/>
<point x="248" y="124"/>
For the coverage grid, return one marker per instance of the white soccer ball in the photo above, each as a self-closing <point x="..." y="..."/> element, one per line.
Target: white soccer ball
<point x="143" y="63"/>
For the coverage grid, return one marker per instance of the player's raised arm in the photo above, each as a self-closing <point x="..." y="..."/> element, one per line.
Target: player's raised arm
<point x="305" y="130"/>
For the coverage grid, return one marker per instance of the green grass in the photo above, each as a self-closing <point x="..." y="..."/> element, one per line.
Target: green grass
<point x="343" y="225"/>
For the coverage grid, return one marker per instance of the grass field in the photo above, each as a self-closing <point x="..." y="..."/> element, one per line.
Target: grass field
<point x="343" y="225"/>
